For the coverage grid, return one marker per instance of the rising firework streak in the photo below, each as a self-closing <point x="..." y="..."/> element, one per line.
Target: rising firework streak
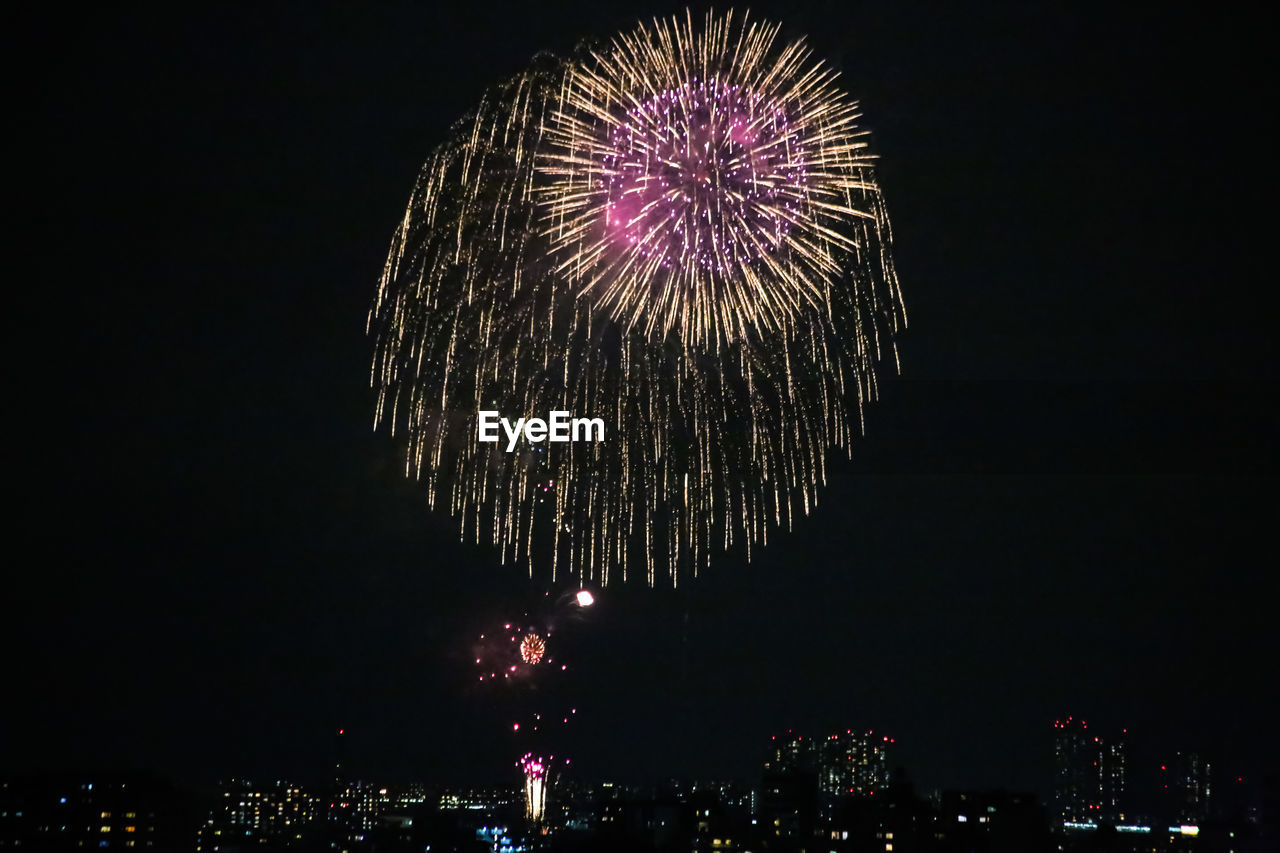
<point x="536" y="782"/>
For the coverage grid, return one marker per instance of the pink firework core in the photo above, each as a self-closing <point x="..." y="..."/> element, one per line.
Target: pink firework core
<point x="708" y="174"/>
<point x="533" y="766"/>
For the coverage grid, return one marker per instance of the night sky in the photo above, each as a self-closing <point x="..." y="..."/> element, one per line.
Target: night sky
<point x="1065" y="504"/>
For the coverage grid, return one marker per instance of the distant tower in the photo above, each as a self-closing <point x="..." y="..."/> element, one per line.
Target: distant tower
<point x="1186" y="784"/>
<point x="790" y="753"/>
<point x="1074" y="764"/>
<point x="1112" y="767"/>
<point x="1091" y="773"/>
<point x="788" y="804"/>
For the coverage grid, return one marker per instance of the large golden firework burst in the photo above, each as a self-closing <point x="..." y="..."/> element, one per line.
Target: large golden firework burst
<point x="679" y="233"/>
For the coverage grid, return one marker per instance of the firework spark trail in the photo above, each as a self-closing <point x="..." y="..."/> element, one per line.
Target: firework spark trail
<point x="537" y="780"/>
<point x="519" y="655"/>
<point x="679" y="233"/>
<point x="537" y="764"/>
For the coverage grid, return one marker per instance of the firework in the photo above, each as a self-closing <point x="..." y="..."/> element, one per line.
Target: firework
<point x="532" y="648"/>
<point x="535" y="785"/>
<point x="509" y="654"/>
<point x="679" y="233"/>
<point x="513" y="651"/>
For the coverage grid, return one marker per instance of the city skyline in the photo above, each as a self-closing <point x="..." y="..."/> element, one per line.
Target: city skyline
<point x="834" y="790"/>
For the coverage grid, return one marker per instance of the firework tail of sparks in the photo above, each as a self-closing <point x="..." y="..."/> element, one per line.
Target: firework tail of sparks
<point x="680" y="233"/>
<point x="537" y="781"/>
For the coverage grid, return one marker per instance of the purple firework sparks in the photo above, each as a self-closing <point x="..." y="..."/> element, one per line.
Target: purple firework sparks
<point x="707" y="173"/>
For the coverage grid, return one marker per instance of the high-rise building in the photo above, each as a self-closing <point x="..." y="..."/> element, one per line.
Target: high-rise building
<point x="852" y="764"/>
<point x="1090" y="783"/>
<point x="789" y="787"/>
<point x="806" y="779"/>
<point x="1113" y="772"/>
<point x="790" y="753"/>
<point x="1186" y="787"/>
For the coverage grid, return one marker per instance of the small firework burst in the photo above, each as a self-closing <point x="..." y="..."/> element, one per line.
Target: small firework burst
<point x="532" y="648"/>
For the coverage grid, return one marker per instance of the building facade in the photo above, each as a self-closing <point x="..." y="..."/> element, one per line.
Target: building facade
<point x="1090" y="774"/>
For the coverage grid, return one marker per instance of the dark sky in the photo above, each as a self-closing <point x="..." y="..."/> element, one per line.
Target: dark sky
<point x="1064" y="505"/>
